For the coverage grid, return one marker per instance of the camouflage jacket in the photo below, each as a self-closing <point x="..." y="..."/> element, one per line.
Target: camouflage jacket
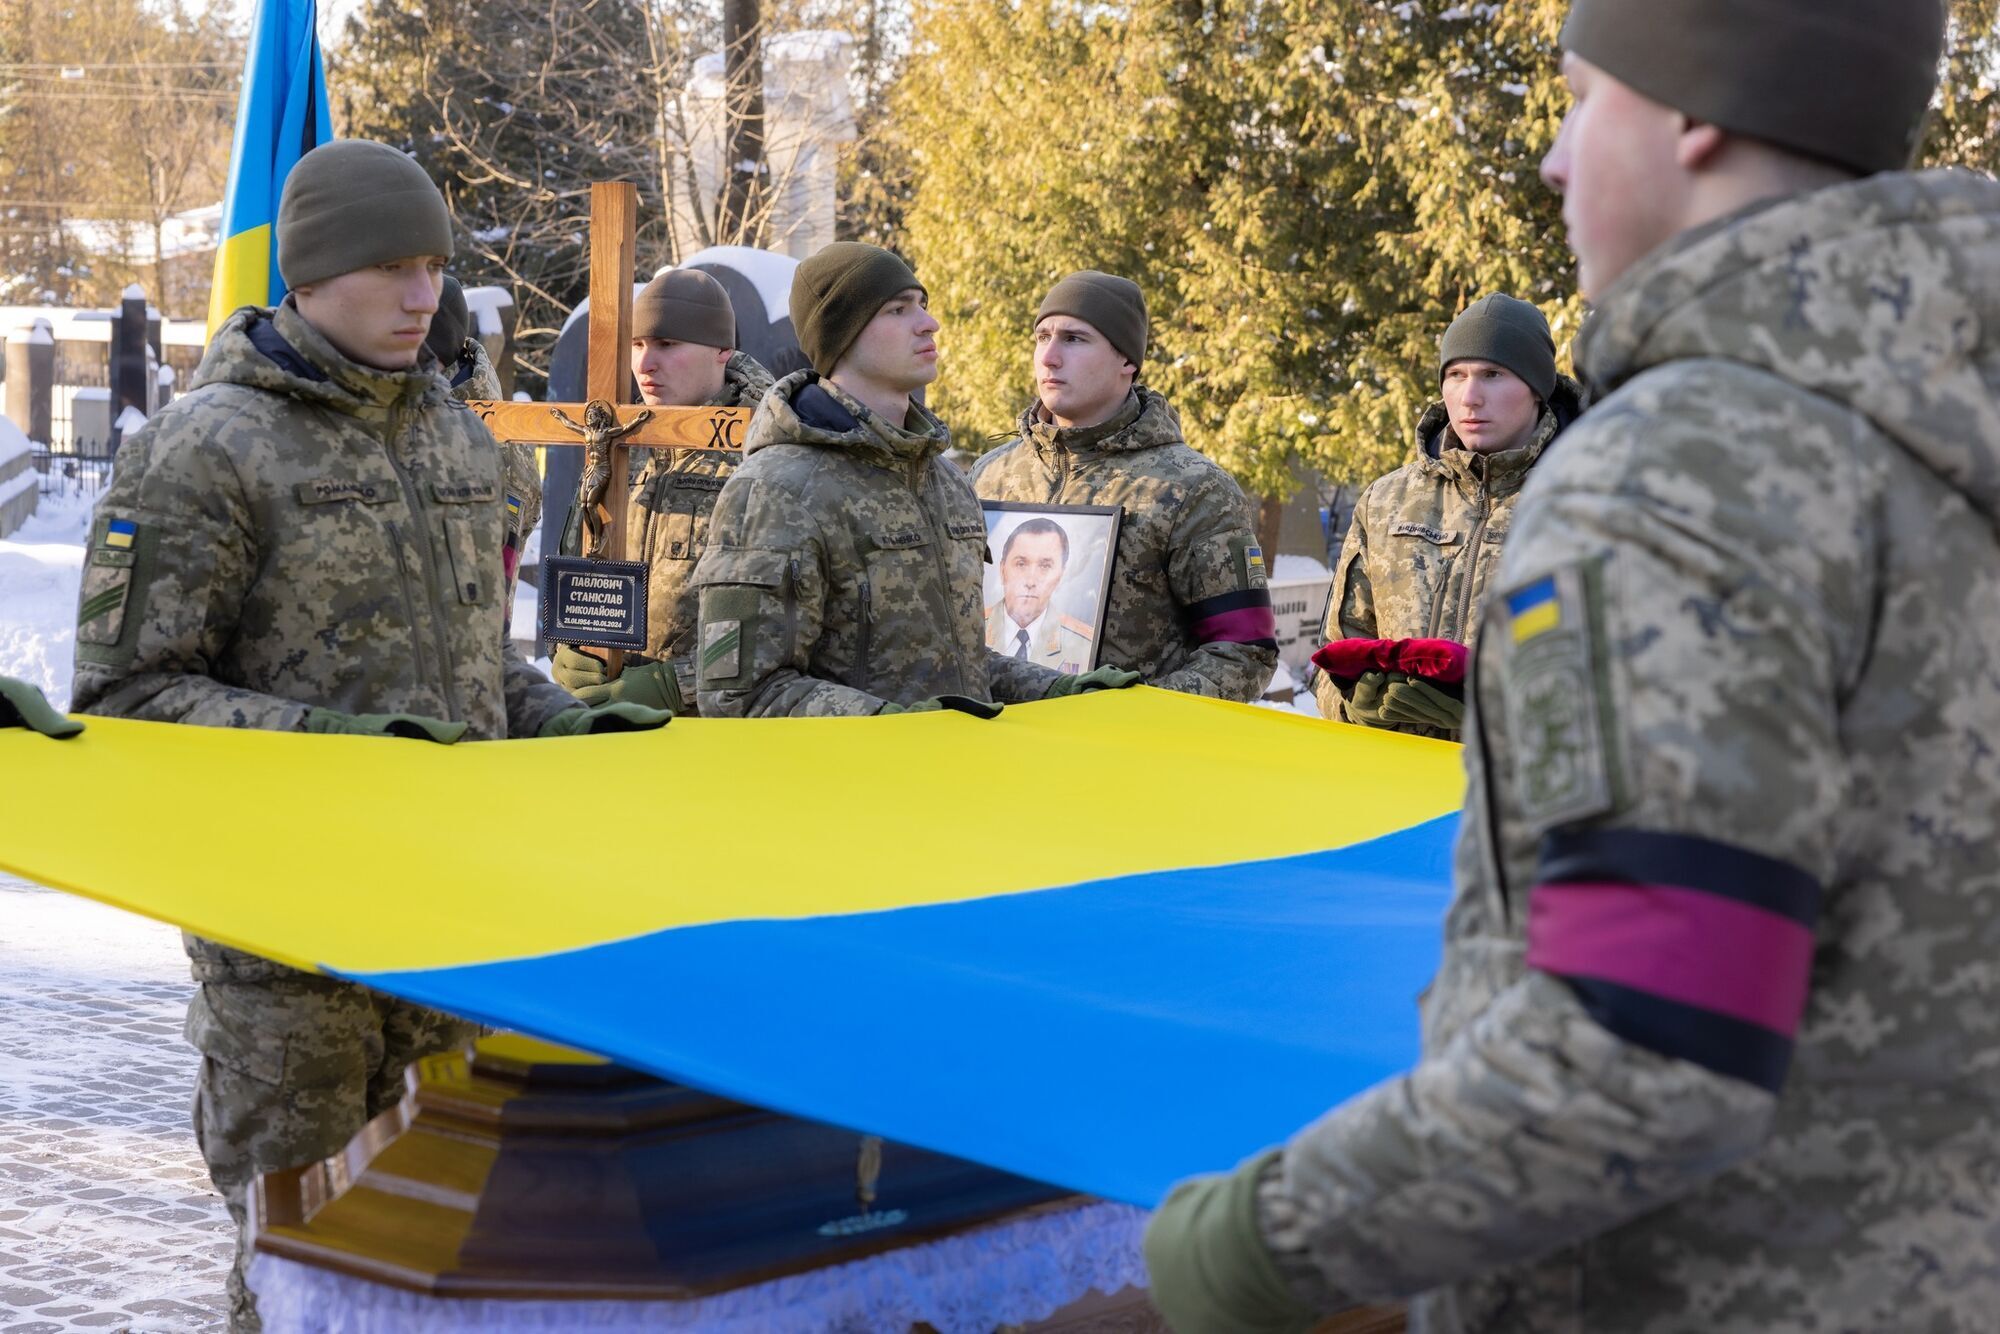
<point x="666" y="524"/>
<point x="1713" y="1045"/>
<point x="844" y="568"/>
<point x="473" y="377"/>
<point x="1189" y="607"/>
<point x="301" y="531"/>
<point x="1426" y="540"/>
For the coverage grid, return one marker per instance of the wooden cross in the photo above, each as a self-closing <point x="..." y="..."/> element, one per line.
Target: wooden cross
<point x="614" y="216"/>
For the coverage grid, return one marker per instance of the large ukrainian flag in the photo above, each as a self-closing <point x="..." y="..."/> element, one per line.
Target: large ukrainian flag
<point x="1104" y="942"/>
<point x="280" y="117"/>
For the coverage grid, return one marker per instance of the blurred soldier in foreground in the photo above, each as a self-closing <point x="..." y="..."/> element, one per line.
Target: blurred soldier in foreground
<point x="310" y="541"/>
<point x="683" y="356"/>
<point x="1426" y="538"/>
<point x="1712" y="1046"/>
<point x="1190" y="607"/>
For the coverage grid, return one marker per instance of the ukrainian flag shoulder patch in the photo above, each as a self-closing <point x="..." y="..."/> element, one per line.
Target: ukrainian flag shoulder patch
<point x="120" y="534"/>
<point x="1534" y="610"/>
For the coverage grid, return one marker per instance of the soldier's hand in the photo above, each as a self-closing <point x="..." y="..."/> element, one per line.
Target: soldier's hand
<point x="1413" y="700"/>
<point x="651" y="685"/>
<point x="1364" y="699"/>
<point x="577" y="671"/>
<point x="1207" y="1269"/>
<point x="978" y="708"/>
<point x="617" y="716"/>
<point x="1101" y="678"/>
<point x="23" y="705"/>
<point x="413" y="726"/>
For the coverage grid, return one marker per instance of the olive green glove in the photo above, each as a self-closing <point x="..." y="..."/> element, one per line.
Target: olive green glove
<point x="575" y="670"/>
<point x="1206" y="1266"/>
<point x="1101" y="678"/>
<point x="651" y="685"/>
<point x="412" y="726"/>
<point x="617" y="716"/>
<point x="1411" y="699"/>
<point x="1364" y="699"/>
<point x="978" y="708"/>
<point x="23" y="705"/>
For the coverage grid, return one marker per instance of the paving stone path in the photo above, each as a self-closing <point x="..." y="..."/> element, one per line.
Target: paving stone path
<point x="107" y="1219"/>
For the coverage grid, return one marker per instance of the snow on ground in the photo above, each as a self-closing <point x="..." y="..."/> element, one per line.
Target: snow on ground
<point x="107" y="1218"/>
<point x="40" y="565"/>
<point x="1293" y="696"/>
<point x="1290" y="569"/>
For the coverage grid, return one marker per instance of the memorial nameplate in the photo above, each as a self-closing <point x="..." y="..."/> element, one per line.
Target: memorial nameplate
<point x="599" y="603"/>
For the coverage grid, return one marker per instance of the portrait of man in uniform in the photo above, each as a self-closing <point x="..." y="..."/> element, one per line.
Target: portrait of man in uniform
<point x="1046" y="585"/>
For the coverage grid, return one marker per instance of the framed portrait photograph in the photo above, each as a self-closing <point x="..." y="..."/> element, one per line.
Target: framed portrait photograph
<point x="1049" y="581"/>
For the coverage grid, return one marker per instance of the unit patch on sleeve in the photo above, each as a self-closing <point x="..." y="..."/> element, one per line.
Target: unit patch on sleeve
<point x="1555" y="691"/>
<point x="107" y="582"/>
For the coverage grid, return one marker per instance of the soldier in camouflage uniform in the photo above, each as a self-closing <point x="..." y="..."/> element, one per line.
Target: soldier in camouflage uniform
<point x="1714" y="1041"/>
<point x="1426" y="538"/>
<point x="844" y="568"/>
<point x="683" y="355"/>
<point x="1189" y="607"/>
<point x="311" y="541"/>
<point x="463" y="362"/>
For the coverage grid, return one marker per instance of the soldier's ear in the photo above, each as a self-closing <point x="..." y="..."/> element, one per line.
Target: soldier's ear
<point x="1700" y="144"/>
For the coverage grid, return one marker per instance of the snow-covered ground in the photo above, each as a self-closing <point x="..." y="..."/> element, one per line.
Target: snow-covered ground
<point x="40" y="566"/>
<point x="107" y="1218"/>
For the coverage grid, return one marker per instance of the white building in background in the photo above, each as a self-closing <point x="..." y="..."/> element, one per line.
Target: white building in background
<point x="808" y="115"/>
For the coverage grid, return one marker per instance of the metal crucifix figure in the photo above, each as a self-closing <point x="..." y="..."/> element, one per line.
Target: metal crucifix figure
<point x="600" y="429"/>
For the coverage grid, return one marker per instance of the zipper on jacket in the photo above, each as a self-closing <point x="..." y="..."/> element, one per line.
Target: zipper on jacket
<point x="409" y="601"/>
<point x="1472" y="542"/>
<point x="1493" y="849"/>
<point x="792" y="602"/>
<point x="866" y="637"/>
<point x="418" y="516"/>
<point x="941" y="559"/>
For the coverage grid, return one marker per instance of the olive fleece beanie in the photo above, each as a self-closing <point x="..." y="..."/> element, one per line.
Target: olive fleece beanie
<point x="1844" y="81"/>
<point x="351" y="203"/>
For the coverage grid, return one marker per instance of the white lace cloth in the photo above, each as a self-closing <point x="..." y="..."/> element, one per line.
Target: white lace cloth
<point x="1011" y="1273"/>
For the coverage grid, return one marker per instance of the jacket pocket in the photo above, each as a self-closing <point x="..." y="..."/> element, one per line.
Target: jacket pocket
<point x="467" y="574"/>
<point x="746" y="594"/>
<point x="227" y="1033"/>
<point x="688" y="503"/>
<point x="906" y="616"/>
<point x="465" y="506"/>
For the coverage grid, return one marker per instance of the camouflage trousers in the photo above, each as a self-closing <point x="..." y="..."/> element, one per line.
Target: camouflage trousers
<point x="292" y="1066"/>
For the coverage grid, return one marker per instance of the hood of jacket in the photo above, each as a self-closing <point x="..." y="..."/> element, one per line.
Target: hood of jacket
<point x="276" y="350"/>
<point x="1144" y="421"/>
<point x="744" y="382"/>
<point x="1882" y="294"/>
<point x="804" y="409"/>
<point x="1506" y="471"/>
<point x="473" y="375"/>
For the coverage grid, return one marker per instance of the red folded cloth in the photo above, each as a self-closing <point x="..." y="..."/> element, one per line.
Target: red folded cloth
<point x="1442" y="661"/>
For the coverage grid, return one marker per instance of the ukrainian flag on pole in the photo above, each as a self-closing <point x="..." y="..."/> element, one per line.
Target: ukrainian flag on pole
<point x="281" y="116"/>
